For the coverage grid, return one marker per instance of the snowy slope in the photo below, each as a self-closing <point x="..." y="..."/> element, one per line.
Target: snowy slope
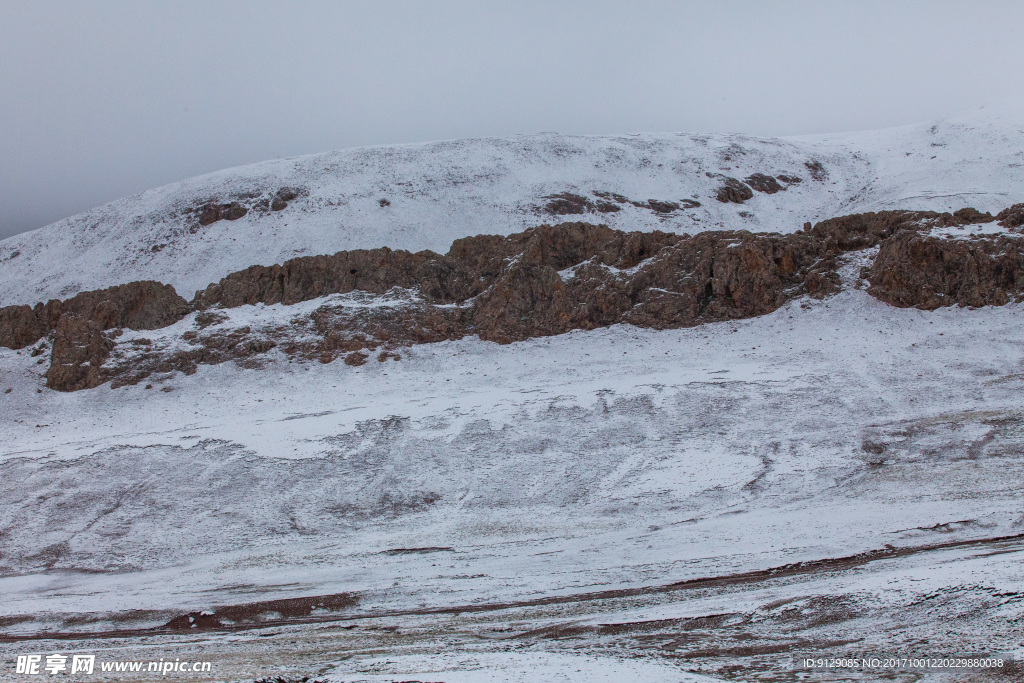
<point x="523" y="478"/>
<point x="606" y="460"/>
<point x="442" y="191"/>
<point x="614" y="437"/>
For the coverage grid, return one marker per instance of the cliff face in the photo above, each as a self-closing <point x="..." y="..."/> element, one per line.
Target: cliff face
<point x="547" y="280"/>
<point x="142" y="305"/>
<point x="928" y="272"/>
<point x="544" y="281"/>
<point x="79" y="350"/>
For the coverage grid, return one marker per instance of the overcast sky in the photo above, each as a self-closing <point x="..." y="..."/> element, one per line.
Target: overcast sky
<point x="103" y="99"/>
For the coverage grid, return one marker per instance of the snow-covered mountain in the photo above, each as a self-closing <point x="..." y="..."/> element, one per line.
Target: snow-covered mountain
<point x="827" y="476"/>
<point x="438" y="192"/>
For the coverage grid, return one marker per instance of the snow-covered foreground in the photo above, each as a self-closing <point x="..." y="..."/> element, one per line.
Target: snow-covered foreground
<point x="438" y="192"/>
<point x="502" y="667"/>
<point x="474" y="474"/>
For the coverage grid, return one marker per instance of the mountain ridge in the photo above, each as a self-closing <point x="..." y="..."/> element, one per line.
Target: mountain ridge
<point x="424" y="196"/>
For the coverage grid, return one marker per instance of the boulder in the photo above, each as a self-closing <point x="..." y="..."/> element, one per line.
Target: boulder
<point x="733" y="191"/>
<point x="764" y="183"/>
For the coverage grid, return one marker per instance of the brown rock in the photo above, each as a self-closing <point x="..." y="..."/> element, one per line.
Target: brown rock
<point x="309" y="277"/>
<point x="544" y="281"/>
<point x="929" y="272"/>
<point x="733" y="191"/>
<point x="211" y="213"/>
<point x="21" y="326"/>
<point x="764" y="183"/>
<point x="145" y="305"/>
<point x="611" y="196"/>
<point x="970" y="215"/>
<point x="233" y="211"/>
<point x="662" y="207"/>
<point x="1012" y="217"/>
<point x="356" y="358"/>
<point x="79" y="350"/>
<point x="863" y="230"/>
<point x="816" y="170"/>
<point x="80" y="346"/>
<point x="566" y="204"/>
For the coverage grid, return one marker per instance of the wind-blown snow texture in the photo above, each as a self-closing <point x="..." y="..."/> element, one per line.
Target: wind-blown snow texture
<point x="469" y="473"/>
<point x="445" y="190"/>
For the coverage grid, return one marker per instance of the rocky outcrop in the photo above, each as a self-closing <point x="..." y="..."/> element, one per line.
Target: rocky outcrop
<point x="309" y="277"/>
<point x="928" y="272"/>
<point x="282" y="197"/>
<point x="569" y="204"/>
<point x="547" y="280"/>
<point x="80" y="347"/>
<point x="145" y="305"/>
<point x="211" y="213"/>
<point x="646" y="279"/>
<point x="764" y="183"/>
<point x="239" y="205"/>
<point x="864" y="230"/>
<point x="21" y="326"/>
<point x="734" y="191"/>
<point x="1012" y="217"/>
<point x="207" y="349"/>
<point x="817" y="171"/>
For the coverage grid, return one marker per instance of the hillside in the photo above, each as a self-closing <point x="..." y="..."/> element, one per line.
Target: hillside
<point x="439" y="192"/>
<point x="680" y="447"/>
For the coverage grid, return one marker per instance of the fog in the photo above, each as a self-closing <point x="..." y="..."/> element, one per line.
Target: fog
<point x="104" y="99"/>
